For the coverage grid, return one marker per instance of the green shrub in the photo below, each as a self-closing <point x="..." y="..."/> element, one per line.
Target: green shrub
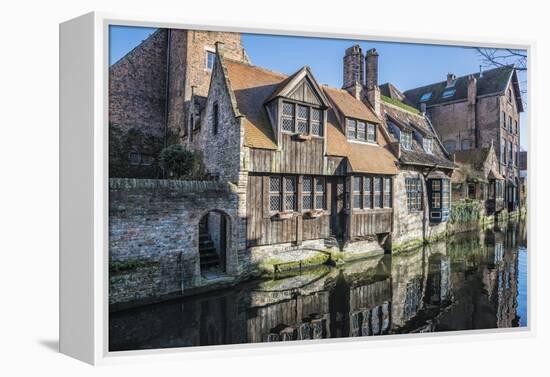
<point x="180" y="163"/>
<point x="465" y="211"/>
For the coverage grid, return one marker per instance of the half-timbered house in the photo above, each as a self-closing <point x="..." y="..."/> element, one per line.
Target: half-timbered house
<point x="312" y="164"/>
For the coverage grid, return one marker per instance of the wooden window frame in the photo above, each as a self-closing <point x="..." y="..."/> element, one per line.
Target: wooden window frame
<point x="402" y="141"/>
<point x="372" y="194"/>
<point x="283" y="193"/>
<point x="355" y="137"/>
<point x="414" y="190"/>
<point x="295" y="118"/>
<point x="377" y="192"/>
<point x="430" y="142"/>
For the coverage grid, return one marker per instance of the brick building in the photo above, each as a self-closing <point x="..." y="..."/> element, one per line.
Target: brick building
<point x="475" y="111"/>
<point x="149" y="93"/>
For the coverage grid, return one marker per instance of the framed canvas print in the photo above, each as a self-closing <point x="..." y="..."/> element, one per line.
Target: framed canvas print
<point x="246" y="188"/>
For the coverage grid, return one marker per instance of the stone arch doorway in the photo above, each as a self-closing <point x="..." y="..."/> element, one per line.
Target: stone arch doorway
<point x="214" y="238"/>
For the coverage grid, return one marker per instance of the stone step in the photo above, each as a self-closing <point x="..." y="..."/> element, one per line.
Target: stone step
<point x="207" y="250"/>
<point x="209" y="255"/>
<point x="212" y="263"/>
<point x="206" y="244"/>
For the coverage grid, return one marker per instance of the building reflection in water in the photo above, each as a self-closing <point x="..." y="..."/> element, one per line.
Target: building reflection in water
<point x="467" y="282"/>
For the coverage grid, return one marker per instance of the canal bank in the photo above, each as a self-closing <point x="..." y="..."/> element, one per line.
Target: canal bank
<point x="471" y="280"/>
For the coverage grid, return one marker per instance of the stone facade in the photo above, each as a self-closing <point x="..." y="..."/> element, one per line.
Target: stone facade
<point x="482" y="121"/>
<point x="153" y="235"/>
<point x="412" y="228"/>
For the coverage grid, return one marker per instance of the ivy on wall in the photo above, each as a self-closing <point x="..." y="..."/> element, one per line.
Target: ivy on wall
<point x="122" y="144"/>
<point x="466" y="210"/>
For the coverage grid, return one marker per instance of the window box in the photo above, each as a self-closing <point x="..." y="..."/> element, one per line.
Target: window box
<point x="302" y="137"/>
<point x="313" y="214"/>
<point x="283" y="215"/>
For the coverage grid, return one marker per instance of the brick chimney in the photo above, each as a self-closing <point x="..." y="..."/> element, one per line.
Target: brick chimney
<point x="451" y="77"/>
<point x="373" y="92"/>
<point x="354" y="71"/>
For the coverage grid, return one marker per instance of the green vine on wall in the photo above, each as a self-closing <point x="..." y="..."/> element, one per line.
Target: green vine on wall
<point x="465" y="211"/>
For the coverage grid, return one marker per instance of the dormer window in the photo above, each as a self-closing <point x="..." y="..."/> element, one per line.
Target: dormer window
<point x="303" y="119"/>
<point x="425" y="97"/>
<point x="428" y="144"/>
<point x="448" y="93"/>
<point x="406" y="139"/>
<point x="360" y="130"/>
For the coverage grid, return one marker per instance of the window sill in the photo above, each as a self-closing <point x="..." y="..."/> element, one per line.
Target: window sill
<point x="373" y="143"/>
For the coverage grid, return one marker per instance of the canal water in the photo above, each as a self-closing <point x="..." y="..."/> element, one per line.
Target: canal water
<point x="471" y="281"/>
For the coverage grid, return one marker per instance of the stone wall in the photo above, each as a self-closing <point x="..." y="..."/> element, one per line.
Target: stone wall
<point x="188" y="54"/>
<point x="137" y="89"/>
<point x="153" y="235"/>
<point x="408" y="225"/>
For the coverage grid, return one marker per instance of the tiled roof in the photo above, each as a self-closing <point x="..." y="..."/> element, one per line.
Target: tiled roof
<point x="252" y="86"/>
<point x="363" y="157"/>
<point x="407" y="120"/>
<point x="350" y="106"/>
<point x="492" y="81"/>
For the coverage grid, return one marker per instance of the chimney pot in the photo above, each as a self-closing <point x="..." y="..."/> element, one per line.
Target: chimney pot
<point x="451" y="77"/>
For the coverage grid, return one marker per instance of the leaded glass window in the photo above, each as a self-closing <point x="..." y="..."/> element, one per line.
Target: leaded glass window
<point x="387" y="192"/>
<point x="406" y="139"/>
<point x="361" y="135"/>
<point x="367" y="192"/>
<point x="378" y="192"/>
<point x="371" y="132"/>
<point x="290" y="193"/>
<point x="275" y="194"/>
<point x="414" y="194"/>
<point x="316" y="122"/>
<point x="320" y="193"/>
<point x="307" y="193"/>
<point x="356" y="192"/>
<point x="351" y="129"/>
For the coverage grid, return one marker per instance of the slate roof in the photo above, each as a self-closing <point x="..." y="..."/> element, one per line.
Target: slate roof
<point x="493" y="81"/>
<point x="254" y="86"/>
<point x="409" y="121"/>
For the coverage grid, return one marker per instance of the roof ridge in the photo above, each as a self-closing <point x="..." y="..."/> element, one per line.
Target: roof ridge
<point x="459" y="77"/>
<point x="267" y="70"/>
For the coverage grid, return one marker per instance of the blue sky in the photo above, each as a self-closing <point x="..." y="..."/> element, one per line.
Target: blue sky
<point x="405" y="65"/>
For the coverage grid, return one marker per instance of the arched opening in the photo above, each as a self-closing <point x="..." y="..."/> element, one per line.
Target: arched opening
<point x="213" y="241"/>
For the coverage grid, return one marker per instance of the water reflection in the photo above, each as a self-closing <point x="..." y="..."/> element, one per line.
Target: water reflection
<point x="472" y="281"/>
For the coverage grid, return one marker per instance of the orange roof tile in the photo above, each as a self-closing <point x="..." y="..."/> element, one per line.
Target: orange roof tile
<point x="349" y="105"/>
<point x="252" y="86"/>
<point x="363" y="157"/>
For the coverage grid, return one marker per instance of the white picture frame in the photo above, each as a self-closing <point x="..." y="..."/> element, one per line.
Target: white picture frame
<point x="84" y="258"/>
